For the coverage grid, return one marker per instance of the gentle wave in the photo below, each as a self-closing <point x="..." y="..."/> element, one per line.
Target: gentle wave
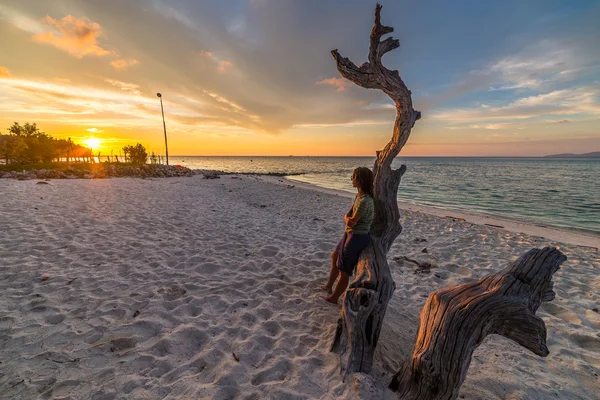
<point x="551" y="192"/>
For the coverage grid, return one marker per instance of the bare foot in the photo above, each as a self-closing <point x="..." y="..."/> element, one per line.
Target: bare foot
<point x="326" y="288"/>
<point x="330" y="300"/>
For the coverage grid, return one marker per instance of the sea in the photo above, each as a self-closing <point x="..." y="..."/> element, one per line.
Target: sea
<point x="562" y="193"/>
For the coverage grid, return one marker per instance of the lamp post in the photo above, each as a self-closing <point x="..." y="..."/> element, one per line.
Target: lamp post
<point x="164" y="126"/>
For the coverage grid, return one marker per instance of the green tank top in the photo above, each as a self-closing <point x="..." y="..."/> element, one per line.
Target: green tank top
<point x="364" y="208"/>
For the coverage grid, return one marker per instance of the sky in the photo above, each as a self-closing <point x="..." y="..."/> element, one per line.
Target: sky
<point x="256" y="77"/>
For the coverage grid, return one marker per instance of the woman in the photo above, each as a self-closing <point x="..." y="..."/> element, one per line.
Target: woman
<point x="356" y="236"/>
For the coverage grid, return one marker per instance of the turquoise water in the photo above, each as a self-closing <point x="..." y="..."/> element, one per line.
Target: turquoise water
<point x="554" y="192"/>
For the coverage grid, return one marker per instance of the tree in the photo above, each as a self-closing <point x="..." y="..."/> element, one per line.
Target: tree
<point x="136" y="154"/>
<point x="365" y="302"/>
<point x="39" y="146"/>
<point x="26" y="144"/>
<point x="28" y="130"/>
<point x="63" y="148"/>
<point x="12" y="148"/>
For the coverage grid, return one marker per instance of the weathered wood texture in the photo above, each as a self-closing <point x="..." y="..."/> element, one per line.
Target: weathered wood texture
<point x="455" y="320"/>
<point x="366" y="299"/>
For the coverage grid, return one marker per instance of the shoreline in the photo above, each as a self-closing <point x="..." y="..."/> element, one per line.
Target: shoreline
<point x="566" y="235"/>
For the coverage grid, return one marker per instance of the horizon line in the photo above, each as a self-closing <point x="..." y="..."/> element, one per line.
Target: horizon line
<point x="374" y="156"/>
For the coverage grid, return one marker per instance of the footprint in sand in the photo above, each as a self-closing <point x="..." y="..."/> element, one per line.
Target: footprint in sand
<point x="187" y="310"/>
<point x="6" y="321"/>
<point x="457" y="269"/>
<point x="207" y="268"/>
<point x="55" y="319"/>
<point x="277" y="373"/>
<point x="140" y="364"/>
<point x="61" y="389"/>
<point x="561" y="312"/>
<point x="269" y="251"/>
<point x="272" y="285"/>
<point x="119" y="344"/>
<point x="586" y="342"/>
<point x="181" y="343"/>
<point x="248" y="319"/>
<point x="264" y="313"/>
<point x="161" y="368"/>
<point x="92" y="337"/>
<point x="443" y="275"/>
<point x="272" y="328"/>
<point x="172" y="292"/>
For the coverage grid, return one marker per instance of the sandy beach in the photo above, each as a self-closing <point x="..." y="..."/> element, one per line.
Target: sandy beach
<point x="182" y="288"/>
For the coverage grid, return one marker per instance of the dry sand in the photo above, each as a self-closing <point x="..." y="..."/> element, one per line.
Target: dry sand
<point x="189" y="288"/>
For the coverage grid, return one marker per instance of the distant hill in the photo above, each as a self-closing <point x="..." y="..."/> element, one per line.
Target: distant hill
<point x="595" y="154"/>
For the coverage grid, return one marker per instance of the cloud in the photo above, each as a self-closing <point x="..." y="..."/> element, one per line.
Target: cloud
<point x="541" y="66"/>
<point x="582" y="100"/>
<point x="224" y="66"/>
<point x="94" y="130"/>
<point x="341" y="83"/>
<point x="172" y="13"/>
<point x="76" y="36"/>
<point x="487" y="126"/>
<point x="352" y="124"/>
<point x="19" y="20"/>
<point x="122" y="104"/>
<point x="4" y="72"/>
<point x="534" y="66"/>
<point x="124" y="63"/>
<point x="235" y="107"/>
<point x="124" y="86"/>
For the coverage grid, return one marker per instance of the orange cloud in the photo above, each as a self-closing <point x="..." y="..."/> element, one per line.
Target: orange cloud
<point x="340" y="83"/>
<point x="124" y="63"/>
<point x="4" y="72"/>
<point x="76" y="36"/>
<point x="224" y="65"/>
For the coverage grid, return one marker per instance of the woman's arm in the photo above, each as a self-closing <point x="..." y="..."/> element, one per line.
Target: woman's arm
<point x="358" y="211"/>
<point x="351" y="221"/>
<point x="351" y="210"/>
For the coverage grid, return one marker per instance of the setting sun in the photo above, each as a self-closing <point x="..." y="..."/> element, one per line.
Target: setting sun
<point x="92" y="143"/>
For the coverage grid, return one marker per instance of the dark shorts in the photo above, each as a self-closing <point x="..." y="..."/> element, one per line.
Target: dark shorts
<point x="348" y="251"/>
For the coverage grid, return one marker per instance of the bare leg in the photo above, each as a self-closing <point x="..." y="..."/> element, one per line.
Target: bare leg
<point x="339" y="289"/>
<point x="333" y="273"/>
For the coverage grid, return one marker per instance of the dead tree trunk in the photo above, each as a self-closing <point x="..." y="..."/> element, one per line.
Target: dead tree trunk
<point x="455" y="320"/>
<point x="365" y="302"/>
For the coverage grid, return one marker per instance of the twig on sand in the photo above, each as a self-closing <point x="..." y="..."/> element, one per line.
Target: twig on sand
<point x="63" y="361"/>
<point x="422" y="267"/>
<point x="18" y="383"/>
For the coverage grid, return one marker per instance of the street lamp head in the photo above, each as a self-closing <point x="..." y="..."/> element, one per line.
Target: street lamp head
<point x="159" y="95"/>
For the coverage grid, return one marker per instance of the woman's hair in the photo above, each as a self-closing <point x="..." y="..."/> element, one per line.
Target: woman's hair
<point x="364" y="178"/>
